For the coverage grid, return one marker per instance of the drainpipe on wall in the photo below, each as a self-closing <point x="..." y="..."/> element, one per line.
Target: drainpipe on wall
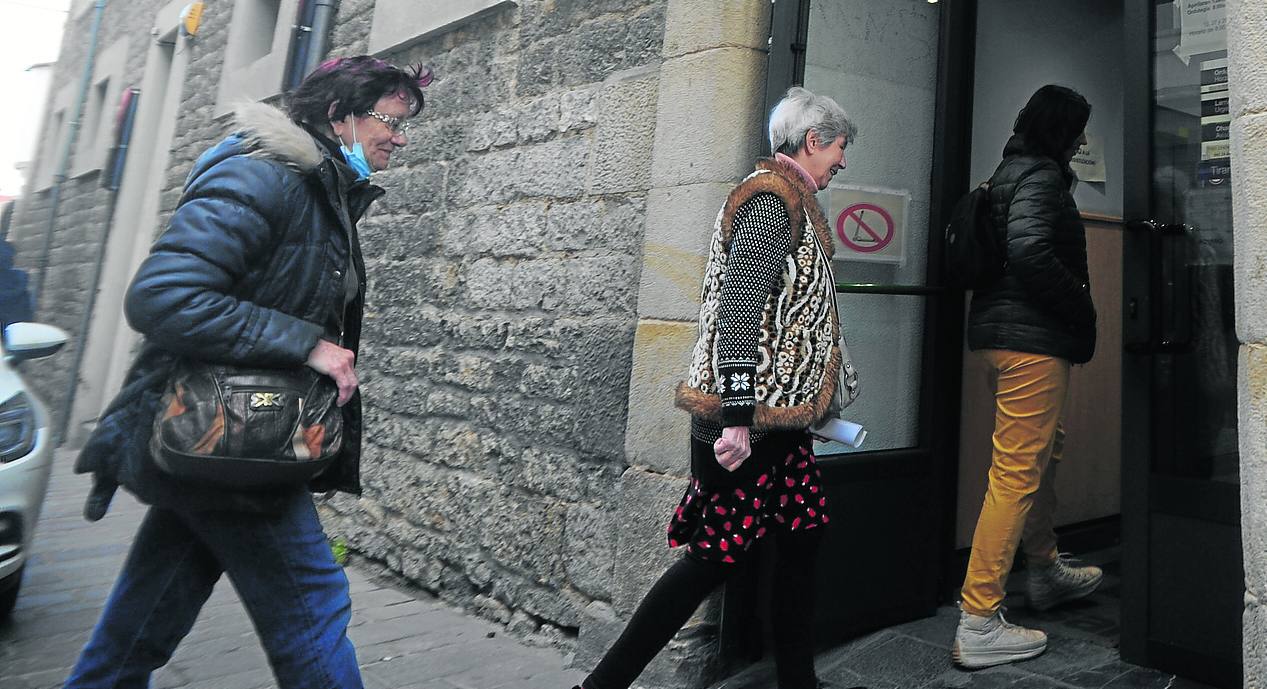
<point x="113" y="175"/>
<point x="63" y="162"/>
<point x="321" y="20"/>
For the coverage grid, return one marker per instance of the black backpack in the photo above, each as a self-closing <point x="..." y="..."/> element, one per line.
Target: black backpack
<point x="974" y="253"/>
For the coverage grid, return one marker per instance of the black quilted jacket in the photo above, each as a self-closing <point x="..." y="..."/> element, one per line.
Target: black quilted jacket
<point x="251" y="270"/>
<point x="1042" y="304"/>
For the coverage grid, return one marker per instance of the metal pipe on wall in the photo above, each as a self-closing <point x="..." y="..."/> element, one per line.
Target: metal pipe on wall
<point x="63" y="162"/>
<point x="322" y="17"/>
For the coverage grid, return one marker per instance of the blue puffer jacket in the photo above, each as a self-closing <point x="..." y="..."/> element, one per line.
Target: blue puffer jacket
<point x="1042" y="304"/>
<point x="251" y="270"/>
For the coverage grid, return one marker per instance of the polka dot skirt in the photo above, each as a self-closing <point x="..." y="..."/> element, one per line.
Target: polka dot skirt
<point x="722" y="513"/>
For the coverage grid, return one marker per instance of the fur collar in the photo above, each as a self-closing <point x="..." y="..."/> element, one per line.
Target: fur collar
<point x="788" y="171"/>
<point x="788" y="184"/>
<point x="267" y="132"/>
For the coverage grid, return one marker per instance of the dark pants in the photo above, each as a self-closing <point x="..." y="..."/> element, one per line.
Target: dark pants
<point x="282" y="568"/>
<point x="681" y="589"/>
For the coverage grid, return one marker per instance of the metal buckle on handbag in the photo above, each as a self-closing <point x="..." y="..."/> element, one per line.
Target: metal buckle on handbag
<point x="267" y="400"/>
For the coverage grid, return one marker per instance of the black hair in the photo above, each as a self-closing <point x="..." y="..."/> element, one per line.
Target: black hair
<point x="353" y="85"/>
<point x="1053" y="119"/>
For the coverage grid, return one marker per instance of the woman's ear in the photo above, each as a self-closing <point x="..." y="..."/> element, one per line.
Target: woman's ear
<point x="811" y="142"/>
<point x="335" y="125"/>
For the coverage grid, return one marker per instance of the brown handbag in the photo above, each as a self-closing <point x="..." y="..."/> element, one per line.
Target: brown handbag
<point x="247" y="428"/>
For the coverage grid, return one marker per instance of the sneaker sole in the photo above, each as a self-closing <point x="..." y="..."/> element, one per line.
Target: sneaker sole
<point x="975" y="660"/>
<point x="1069" y="596"/>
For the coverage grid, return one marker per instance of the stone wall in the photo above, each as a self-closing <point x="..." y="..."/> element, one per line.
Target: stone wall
<point x="503" y="267"/>
<point x="1247" y="69"/>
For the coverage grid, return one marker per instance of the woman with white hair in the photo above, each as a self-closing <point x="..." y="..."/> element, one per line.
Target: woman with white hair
<point x="767" y="366"/>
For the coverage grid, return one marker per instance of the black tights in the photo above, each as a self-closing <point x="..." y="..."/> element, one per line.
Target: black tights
<point x="681" y="589"/>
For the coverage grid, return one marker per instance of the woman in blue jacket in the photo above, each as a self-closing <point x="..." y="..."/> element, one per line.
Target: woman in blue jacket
<point x="259" y="266"/>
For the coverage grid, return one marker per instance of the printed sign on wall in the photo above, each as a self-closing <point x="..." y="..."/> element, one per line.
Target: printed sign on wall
<point x="868" y="223"/>
<point x="1088" y="162"/>
<point x="1202" y="27"/>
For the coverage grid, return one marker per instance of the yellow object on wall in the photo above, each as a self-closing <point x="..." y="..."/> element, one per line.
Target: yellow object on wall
<point x="191" y="18"/>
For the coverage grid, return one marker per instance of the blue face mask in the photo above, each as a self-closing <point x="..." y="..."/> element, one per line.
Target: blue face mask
<point x="356" y="155"/>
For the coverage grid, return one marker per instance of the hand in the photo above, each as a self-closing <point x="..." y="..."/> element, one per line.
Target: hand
<point x="732" y="448"/>
<point x="332" y="360"/>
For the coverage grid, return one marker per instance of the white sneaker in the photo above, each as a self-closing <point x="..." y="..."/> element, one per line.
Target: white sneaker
<point x="1061" y="582"/>
<point x="985" y="641"/>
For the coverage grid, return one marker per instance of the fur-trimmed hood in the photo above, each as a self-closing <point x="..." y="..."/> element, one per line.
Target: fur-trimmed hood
<point x="268" y="132"/>
<point x="265" y="132"/>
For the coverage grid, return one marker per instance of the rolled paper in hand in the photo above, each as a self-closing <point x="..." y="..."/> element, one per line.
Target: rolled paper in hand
<point x="842" y="431"/>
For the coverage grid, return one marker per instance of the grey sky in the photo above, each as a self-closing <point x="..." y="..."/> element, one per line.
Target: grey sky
<point x="30" y="33"/>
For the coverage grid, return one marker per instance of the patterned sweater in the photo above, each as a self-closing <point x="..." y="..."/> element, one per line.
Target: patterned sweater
<point x="761" y="242"/>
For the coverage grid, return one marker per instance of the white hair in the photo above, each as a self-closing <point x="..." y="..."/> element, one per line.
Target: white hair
<point x="801" y="112"/>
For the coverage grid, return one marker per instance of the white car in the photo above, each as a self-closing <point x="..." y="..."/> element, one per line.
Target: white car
<point x="26" y="453"/>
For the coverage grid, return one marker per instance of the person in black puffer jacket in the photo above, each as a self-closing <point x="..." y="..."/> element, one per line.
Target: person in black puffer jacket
<point x="259" y="266"/>
<point x="1030" y="326"/>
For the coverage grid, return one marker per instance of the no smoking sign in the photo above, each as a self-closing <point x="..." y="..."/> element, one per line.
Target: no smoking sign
<point x="863" y="234"/>
<point x="868" y="224"/>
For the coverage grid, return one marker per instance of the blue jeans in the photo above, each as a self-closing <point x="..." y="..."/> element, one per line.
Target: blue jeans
<point x="283" y="570"/>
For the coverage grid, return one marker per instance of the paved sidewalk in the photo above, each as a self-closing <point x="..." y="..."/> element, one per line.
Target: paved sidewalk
<point x="404" y="640"/>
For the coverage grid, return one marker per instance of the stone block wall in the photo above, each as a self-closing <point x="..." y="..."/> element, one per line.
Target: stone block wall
<point x="503" y="267"/>
<point x="1247" y="71"/>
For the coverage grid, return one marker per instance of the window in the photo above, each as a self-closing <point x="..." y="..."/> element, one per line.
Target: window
<point x="92" y="144"/>
<point x="397" y="23"/>
<point x="255" y="58"/>
<point x="257" y="38"/>
<point x="50" y="146"/>
<point x="90" y="128"/>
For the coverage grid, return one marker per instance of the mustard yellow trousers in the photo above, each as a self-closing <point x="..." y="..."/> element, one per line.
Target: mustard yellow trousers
<point x="1020" y="501"/>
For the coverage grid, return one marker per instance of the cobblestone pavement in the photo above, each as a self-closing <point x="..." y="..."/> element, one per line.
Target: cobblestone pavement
<point x="403" y="639"/>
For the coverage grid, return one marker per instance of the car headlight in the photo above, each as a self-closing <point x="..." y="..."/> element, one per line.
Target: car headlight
<point x="17" y="428"/>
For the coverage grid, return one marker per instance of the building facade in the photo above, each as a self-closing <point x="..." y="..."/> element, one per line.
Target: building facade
<point x="533" y="274"/>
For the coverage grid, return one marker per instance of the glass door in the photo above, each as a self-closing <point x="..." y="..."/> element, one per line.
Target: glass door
<point x="1182" y="574"/>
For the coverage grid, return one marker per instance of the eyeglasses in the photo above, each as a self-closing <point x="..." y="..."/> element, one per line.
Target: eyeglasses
<point x="398" y="125"/>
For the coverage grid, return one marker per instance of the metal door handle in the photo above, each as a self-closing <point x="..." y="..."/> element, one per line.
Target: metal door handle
<point x="1157" y="228"/>
<point x="1167" y="319"/>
